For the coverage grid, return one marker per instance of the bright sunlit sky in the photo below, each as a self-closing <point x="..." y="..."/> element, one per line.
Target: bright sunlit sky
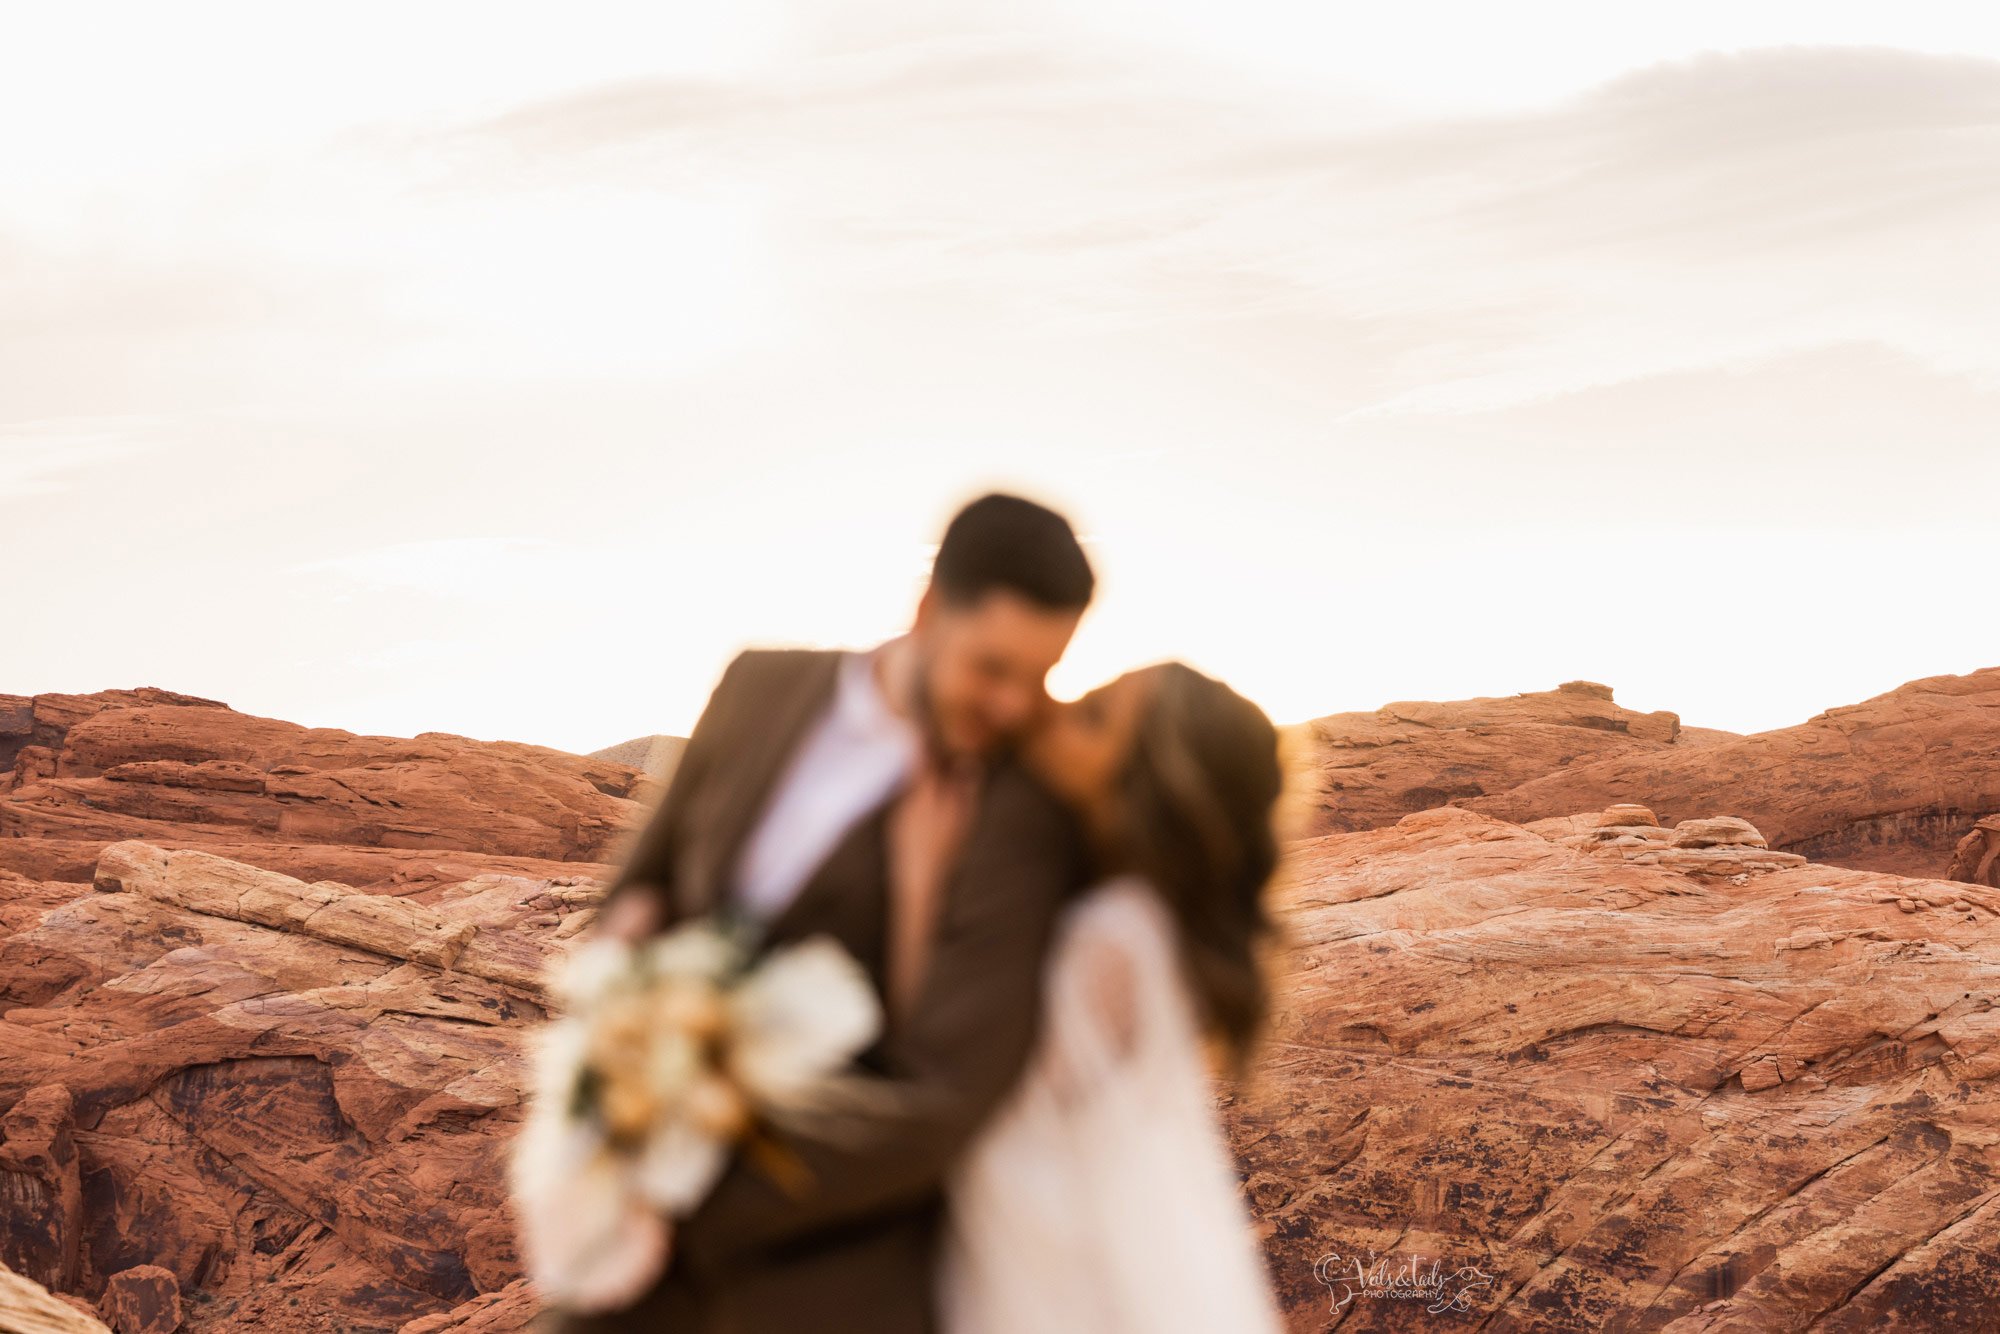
<point x="444" y="366"/>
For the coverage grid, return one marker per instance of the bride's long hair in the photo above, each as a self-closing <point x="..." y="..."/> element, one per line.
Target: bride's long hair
<point x="1199" y="796"/>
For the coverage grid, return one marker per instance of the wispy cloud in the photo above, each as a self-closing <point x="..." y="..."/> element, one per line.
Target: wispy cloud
<point x="1691" y="214"/>
<point x="490" y="571"/>
<point x="1358" y="401"/>
<point x="41" y="458"/>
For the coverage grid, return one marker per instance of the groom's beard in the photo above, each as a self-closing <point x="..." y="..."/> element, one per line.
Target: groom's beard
<point x="924" y="711"/>
<point x="923" y="708"/>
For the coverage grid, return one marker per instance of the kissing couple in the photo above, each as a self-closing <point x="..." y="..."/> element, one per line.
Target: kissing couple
<point x="1061" y="910"/>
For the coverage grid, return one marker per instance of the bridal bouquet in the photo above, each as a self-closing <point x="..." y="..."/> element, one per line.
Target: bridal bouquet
<point x="670" y="1055"/>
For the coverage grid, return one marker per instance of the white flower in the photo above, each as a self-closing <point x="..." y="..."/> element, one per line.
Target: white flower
<point x="589" y="971"/>
<point x="589" y="1240"/>
<point x="594" y="968"/>
<point x="805" y="1011"/>
<point x="598" y="1183"/>
<point x="557" y="1052"/>
<point x="679" y="1164"/>
<point x="673" y="1063"/>
<point x="693" y="949"/>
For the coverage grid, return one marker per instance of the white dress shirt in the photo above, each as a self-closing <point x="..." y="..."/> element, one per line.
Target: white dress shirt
<point x="850" y="760"/>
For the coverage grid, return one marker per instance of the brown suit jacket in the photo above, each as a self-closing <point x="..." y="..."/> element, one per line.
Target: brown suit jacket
<point x="855" y="1251"/>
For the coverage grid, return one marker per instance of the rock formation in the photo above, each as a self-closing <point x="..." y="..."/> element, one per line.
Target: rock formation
<point x="144" y="1299"/>
<point x="289" y="1100"/>
<point x="1607" y="1074"/>
<point x="259" y="986"/>
<point x="1371" y="769"/>
<point x="506" y="1311"/>
<point x="80" y="771"/>
<point x="1631" y="1063"/>
<point x="654" y="755"/>
<point x="1890" y="784"/>
<point x="1976" y="859"/>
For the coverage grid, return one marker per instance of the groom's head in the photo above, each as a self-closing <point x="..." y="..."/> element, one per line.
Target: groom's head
<point x="1009" y="585"/>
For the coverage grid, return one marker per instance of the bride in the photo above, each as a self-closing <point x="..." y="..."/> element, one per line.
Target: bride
<point x="1101" y="1195"/>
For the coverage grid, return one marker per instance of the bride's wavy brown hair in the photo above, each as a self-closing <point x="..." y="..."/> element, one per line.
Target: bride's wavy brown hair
<point x="1199" y="796"/>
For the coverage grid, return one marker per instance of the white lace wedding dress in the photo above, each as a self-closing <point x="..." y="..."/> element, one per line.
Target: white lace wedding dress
<point x="1101" y="1197"/>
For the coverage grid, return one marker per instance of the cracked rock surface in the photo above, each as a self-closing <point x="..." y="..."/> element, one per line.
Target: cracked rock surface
<point x="1893" y="783"/>
<point x="1372" y="768"/>
<point x="78" y="772"/>
<point x="1635" y="1063"/>
<point x="284" y="1104"/>
<point x="1631" y="1093"/>
<point x="1890" y="784"/>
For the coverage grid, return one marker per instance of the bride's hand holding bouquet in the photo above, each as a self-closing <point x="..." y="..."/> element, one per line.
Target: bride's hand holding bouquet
<point x="670" y="1054"/>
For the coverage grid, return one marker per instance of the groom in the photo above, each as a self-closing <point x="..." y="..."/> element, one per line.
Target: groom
<point x="805" y="769"/>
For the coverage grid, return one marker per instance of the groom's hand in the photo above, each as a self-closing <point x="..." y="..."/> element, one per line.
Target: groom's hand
<point x="629" y="917"/>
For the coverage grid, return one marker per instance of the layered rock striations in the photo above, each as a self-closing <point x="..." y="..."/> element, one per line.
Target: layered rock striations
<point x="1976" y="859"/>
<point x="260" y="989"/>
<point x="1644" y="1061"/>
<point x="80" y="771"/>
<point x="1606" y="1073"/>
<point x="1371" y="769"/>
<point x="1890" y="784"/>
<point x="286" y="1102"/>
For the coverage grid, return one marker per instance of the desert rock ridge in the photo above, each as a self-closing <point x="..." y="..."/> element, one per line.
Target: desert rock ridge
<point x="1639" y="1062"/>
<point x="1892" y="783"/>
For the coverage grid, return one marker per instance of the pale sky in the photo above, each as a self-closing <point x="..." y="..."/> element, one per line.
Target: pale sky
<point x="430" y="367"/>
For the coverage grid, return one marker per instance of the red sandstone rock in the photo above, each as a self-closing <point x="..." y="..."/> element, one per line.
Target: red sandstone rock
<point x="292" y="1097"/>
<point x="145" y="1299"/>
<point x="228" y="1065"/>
<point x="656" y="755"/>
<point x="1632" y="1096"/>
<point x="379" y="870"/>
<point x="511" y="1309"/>
<point x="41" y="1190"/>
<point x="176" y="770"/>
<point x="1374" y="768"/>
<point x="1604" y="1055"/>
<point x="1976" y="859"/>
<point x="1892" y="783"/>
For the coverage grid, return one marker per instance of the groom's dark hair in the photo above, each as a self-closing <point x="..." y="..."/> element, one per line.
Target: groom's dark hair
<point x="1003" y="541"/>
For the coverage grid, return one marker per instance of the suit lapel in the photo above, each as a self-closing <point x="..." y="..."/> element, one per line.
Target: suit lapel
<point x="857" y="862"/>
<point x="769" y="736"/>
